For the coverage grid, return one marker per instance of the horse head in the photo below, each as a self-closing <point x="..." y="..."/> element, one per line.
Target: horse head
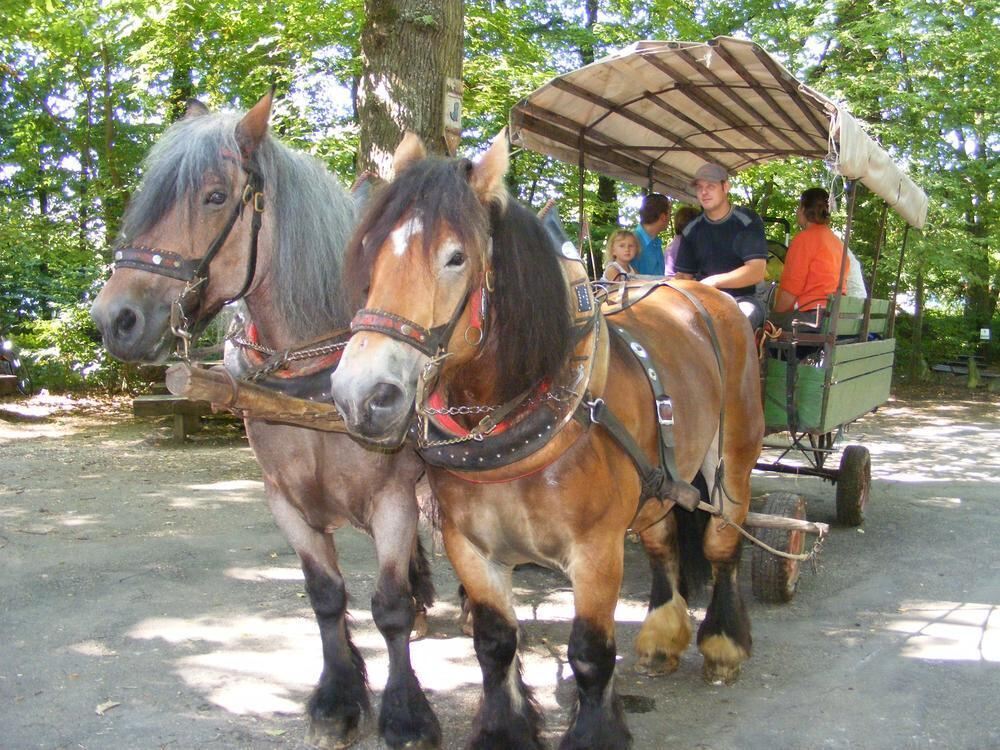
<point x="189" y="240"/>
<point x="454" y="271"/>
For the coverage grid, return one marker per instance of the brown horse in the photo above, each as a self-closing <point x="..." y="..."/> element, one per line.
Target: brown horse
<point x="473" y="319"/>
<point x="225" y="211"/>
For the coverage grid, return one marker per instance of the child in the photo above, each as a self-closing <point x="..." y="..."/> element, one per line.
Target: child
<point x="620" y="250"/>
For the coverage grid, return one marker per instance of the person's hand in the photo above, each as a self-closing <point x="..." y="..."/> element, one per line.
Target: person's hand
<point x="712" y="281"/>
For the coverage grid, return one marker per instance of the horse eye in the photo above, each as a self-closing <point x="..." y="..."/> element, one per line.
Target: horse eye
<point x="457" y="259"/>
<point x="217" y="197"/>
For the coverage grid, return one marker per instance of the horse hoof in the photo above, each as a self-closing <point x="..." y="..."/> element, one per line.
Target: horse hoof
<point x="657" y="664"/>
<point x="720" y="674"/>
<point x="422" y="744"/>
<point x="331" y="734"/>
<point x="465" y="622"/>
<point x="419" y="626"/>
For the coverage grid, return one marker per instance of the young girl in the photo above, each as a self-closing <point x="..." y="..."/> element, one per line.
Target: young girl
<point x="620" y="250"/>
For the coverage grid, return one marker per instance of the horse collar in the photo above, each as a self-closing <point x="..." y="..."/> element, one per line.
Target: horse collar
<point x="248" y="360"/>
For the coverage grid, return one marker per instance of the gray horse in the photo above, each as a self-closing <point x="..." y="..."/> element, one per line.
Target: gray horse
<point x="225" y="212"/>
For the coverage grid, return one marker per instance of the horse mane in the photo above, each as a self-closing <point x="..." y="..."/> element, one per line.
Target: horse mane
<point x="529" y="329"/>
<point x="312" y="213"/>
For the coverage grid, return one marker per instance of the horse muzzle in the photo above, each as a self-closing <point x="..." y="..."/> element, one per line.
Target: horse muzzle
<point x="377" y="412"/>
<point x="132" y="332"/>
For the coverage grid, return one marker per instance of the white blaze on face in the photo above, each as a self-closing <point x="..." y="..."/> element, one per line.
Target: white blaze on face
<point x="402" y="235"/>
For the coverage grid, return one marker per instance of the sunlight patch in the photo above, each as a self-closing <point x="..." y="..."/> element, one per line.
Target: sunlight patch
<point x="265" y="574"/>
<point x="229" y="485"/>
<point x="949" y="631"/>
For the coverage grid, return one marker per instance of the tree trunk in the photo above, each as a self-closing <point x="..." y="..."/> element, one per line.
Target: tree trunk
<point x="916" y="339"/>
<point x="411" y="53"/>
<point x="605" y="215"/>
<point x="115" y="195"/>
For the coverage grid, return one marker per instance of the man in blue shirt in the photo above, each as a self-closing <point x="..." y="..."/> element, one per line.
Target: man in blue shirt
<point x="654" y="217"/>
<point x="725" y="247"/>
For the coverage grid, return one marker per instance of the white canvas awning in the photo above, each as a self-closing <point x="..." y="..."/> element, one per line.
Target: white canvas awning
<point x="656" y="111"/>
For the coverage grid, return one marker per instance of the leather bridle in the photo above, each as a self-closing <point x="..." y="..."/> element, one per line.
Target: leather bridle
<point x="428" y="341"/>
<point x="186" y="318"/>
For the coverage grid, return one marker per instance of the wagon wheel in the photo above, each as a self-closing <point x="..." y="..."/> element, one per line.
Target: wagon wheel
<point x="853" y="484"/>
<point x="774" y="578"/>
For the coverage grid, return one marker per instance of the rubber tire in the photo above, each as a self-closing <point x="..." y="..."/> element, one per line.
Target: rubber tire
<point x="854" y="482"/>
<point x="775" y="579"/>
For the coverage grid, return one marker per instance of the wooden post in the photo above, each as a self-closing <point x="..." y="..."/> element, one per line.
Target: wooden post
<point x="251" y="401"/>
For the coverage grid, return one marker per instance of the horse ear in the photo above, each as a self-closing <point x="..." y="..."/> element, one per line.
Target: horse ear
<point x="250" y="131"/>
<point x="409" y="151"/>
<point x="195" y="109"/>
<point x="486" y="177"/>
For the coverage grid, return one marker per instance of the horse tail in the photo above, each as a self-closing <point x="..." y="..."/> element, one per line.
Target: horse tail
<point x="421" y="583"/>
<point x="696" y="570"/>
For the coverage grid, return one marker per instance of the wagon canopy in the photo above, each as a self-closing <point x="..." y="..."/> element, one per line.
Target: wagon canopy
<point x="654" y="112"/>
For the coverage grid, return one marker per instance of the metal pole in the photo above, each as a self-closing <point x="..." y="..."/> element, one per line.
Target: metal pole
<point x="851" y="188"/>
<point x="581" y="173"/>
<point x="890" y="330"/>
<point x="879" y="240"/>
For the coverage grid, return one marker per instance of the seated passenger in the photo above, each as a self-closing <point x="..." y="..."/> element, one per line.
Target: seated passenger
<point x="812" y="265"/>
<point x="724" y="246"/>
<point x="621" y="248"/>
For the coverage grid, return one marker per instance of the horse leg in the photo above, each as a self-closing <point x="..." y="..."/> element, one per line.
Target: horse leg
<point x="422" y="587"/>
<point x="724" y="636"/>
<point x="598" y="722"/>
<point x="666" y="631"/>
<point x="406" y="718"/>
<point x="508" y="716"/>
<point x="341" y="696"/>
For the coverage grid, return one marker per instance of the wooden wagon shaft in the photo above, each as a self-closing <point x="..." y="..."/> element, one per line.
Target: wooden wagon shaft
<point x="251" y="401"/>
<point x="764" y="521"/>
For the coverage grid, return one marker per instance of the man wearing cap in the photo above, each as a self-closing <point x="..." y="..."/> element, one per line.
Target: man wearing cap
<point x="725" y="246"/>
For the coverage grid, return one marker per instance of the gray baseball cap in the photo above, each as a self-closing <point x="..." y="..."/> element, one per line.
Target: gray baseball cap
<point x="710" y="173"/>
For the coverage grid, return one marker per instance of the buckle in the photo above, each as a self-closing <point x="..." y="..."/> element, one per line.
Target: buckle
<point x="665" y="411"/>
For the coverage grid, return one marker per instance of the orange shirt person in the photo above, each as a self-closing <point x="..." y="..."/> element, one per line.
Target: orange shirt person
<point x="812" y="264"/>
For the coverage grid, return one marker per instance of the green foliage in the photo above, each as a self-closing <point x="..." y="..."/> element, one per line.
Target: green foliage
<point x="86" y="86"/>
<point x="65" y="353"/>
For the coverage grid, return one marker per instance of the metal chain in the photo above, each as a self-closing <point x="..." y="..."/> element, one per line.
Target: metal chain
<point x="481" y="430"/>
<point x="289" y="355"/>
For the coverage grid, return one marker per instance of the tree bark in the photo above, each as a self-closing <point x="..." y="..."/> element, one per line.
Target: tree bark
<point x="916" y="338"/>
<point x="409" y="51"/>
<point x="116" y="195"/>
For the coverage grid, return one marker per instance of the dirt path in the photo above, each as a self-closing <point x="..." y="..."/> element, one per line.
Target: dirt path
<point x="148" y="601"/>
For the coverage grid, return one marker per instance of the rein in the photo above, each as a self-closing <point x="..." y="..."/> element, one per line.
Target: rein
<point x="195" y="271"/>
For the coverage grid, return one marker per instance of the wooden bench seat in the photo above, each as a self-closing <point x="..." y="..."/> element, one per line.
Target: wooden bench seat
<point x="187" y="414"/>
<point x="8" y="384"/>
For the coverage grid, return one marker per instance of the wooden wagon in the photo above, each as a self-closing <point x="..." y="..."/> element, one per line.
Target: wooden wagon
<point x="651" y="115"/>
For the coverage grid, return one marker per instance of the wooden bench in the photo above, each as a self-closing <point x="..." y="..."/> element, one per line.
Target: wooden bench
<point x="187" y="414"/>
<point x="850" y="318"/>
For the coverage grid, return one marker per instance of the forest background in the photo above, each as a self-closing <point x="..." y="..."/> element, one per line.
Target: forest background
<point x="86" y="87"/>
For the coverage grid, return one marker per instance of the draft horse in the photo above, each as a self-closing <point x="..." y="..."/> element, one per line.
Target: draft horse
<point x="475" y="326"/>
<point x="226" y="212"/>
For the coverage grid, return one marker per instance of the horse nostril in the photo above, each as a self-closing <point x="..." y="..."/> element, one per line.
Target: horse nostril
<point x="125" y="321"/>
<point x="384" y="397"/>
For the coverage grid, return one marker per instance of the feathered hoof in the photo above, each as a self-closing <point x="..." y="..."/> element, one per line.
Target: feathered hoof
<point x="332" y="734"/>
<point x="720" y="674"/>
<point x="657" y="664"/>
<point x="422" y="744"/>
<point x="723" y="658"/>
